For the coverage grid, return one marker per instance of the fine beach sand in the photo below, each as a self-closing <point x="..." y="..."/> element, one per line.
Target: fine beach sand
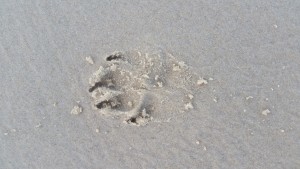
<point x="197" y="84"/>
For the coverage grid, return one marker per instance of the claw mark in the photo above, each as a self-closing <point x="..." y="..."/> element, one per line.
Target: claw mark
<point x="103" y="104"/>
<point x="98" y="84"/>
<point x="116" y="56"/>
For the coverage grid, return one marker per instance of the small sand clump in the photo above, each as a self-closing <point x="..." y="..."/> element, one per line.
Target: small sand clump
<point x="89" y="60"/>
<point x="188" y="106"/>
<point x="265" y="112"/>
<point x="202" y="82"/>
<point x="76" y="110"/>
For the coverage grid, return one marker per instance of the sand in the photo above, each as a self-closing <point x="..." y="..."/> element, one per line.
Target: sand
<point x="226" y="64"/>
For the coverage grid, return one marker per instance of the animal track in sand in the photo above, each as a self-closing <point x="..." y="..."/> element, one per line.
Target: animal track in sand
<point x="142" y="87"/>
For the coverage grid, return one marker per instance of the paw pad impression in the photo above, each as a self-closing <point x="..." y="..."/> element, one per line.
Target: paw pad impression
<point x="142" y="87"/>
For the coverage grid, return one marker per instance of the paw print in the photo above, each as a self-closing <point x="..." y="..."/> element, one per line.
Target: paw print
<point x="140" y="86"/>
<point x="116" y="91"/>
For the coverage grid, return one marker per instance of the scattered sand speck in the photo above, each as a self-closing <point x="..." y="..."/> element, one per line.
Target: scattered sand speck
<point x="201" y="81"/>
<point x="159" y="84"/>
<point x="249" y="97"/>
<point x="215" y="99"/>
<point x="130" y="104"/>
<point x="266" y="112"/>
<point x="190" y="96"/>
<point x="76" y="110"/>
<point x="38" y="125"/>
<point x="176" y="68"/>
<point x="89" y="60"/>
<point x="188" y="106"/>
